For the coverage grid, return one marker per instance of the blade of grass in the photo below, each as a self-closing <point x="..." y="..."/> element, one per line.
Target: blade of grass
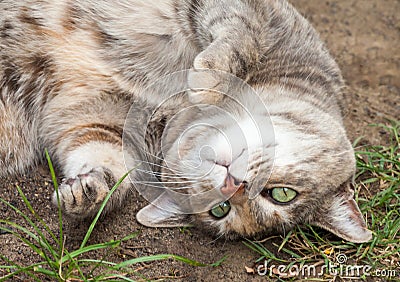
<point x="87" y="249"/>
<point x="55" y="183"/>
<point x="285" y="240"/>
<point x="97" y="265"/>
<point x="20" y="269"/>
<point x="112" y="276"/>
<point x="30" y="208"/>
<point x="33" y="225"/>
<point x="37" y="249"/>
<point x="157" y="258"/>
<point x="262" y="250"/>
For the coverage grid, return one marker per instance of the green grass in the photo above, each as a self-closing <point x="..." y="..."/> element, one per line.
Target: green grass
<point x="378" y="195"/>
<point x="55" y="262"/>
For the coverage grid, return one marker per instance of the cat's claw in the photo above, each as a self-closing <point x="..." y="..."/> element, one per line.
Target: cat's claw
<point x="83" y="195"/>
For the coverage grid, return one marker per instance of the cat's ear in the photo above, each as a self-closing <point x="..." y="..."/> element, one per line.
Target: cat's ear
<point x="342" y="217"/>
<point x="163" y="212"/>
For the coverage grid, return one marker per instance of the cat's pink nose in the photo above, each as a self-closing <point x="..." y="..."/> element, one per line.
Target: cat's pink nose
<point x="232" y="186"/>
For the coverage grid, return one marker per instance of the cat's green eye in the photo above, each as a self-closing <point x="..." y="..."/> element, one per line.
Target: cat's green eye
<point x="221" y="210"/>
<point x="283" y="194"/>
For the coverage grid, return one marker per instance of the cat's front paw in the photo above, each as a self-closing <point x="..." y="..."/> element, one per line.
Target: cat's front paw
<point x="82" y="196"/>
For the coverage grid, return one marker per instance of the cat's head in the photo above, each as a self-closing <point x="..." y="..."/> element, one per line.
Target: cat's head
<point x="248" y="171"/>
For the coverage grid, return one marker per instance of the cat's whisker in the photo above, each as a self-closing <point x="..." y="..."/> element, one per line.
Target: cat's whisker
<point x="157" y="173"/>
<point x="216" y="239"/>
<point x="170" y="176"/>
<point x="159" y="158"/>
<point x="147" y="153"/>
<point x="159" y="166"/>
<point x="342" y="152"/>
<point x="166" y="177"/>
<point x="283" y="230"/>
<point x="163" y="186"/>
<point x="168" y="182"/>
<point x="174" y="171"/>
<point x="151" y="163"/>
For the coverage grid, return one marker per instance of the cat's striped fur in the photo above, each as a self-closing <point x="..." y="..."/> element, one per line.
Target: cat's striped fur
<point x="71" y="69"/>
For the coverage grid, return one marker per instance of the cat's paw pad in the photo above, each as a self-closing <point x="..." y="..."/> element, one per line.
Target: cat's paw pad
<point x="83" y="195"/>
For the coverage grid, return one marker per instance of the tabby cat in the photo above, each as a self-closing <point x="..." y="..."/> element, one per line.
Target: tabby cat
<point x="252" y="142"/>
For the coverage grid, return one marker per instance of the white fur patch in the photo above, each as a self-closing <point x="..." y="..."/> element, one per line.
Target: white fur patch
<point x="95" y="154"/>
<point x="246" y="135"/>
<point x="252" y="133"/>
<point x="290" y="146"/>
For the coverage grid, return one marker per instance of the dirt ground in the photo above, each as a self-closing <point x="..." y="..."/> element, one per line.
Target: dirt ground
<point x="363" y="36"/>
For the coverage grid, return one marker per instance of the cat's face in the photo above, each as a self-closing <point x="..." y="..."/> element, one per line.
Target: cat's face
<point x="251" y="173"/>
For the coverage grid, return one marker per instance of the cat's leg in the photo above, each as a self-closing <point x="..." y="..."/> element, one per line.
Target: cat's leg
<point x="18" y="138"/>
<point x="221" y="67"/>
<point x="232" y="46"/>
<point x="85" y="138"/>
<point x="90" y="172"/>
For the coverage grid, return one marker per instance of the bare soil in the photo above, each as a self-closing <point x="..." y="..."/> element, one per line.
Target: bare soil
<point x="363" y="36"/>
